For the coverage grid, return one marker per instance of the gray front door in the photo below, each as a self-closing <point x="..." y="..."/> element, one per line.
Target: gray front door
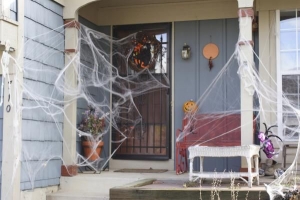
<point x="194" y="76"/>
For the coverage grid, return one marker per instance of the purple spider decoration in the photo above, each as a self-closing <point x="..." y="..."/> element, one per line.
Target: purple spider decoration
<point x="268" y="147"/>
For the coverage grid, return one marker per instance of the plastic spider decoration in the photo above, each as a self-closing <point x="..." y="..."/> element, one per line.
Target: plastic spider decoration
<point x="288" y="195"/>
<point x="264" y="137"/>
<point x="291" y="195"/>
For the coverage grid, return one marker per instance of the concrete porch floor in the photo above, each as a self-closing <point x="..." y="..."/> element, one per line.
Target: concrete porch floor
<point x="92" y="186"/>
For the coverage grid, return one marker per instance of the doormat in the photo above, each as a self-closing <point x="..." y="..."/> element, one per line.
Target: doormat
<point x="141" y="170"/>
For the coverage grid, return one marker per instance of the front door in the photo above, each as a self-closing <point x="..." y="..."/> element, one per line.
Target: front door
<point x="142" y="128"/>
<point x="215" y="85"/>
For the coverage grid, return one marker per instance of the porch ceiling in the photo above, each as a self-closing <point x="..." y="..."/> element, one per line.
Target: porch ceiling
<point x="118" y="3"/>
<point x="117" y="12"/>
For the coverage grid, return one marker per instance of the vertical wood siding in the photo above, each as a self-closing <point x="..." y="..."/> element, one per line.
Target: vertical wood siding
<point x="192" y="77"/>
<point x="41" y="136"/>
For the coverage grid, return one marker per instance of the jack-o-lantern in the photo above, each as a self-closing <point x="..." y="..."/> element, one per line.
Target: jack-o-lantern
<point x="190" y="107"/>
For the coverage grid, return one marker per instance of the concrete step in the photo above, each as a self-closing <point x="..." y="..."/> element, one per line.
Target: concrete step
<point x="97" y="186"/>
<point x="93" y="183"/>
<point x="72" y="195"/>
<point x="103" y="182"/>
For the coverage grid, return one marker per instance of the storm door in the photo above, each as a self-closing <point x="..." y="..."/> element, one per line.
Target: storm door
<point x="144" y="119"/>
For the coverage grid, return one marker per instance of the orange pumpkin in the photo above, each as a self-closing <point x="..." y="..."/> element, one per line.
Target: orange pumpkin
<point x="190" y="106"/>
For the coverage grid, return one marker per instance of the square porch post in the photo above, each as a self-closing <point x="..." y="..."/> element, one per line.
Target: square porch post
<point x="71" y="49"/>
<point x="246" y="62"/>
<point x="69" y="167"/>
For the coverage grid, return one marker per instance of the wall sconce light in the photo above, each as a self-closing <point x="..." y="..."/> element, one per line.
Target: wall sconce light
<point x="254" y="25"/>
<point x="186" y="52"/>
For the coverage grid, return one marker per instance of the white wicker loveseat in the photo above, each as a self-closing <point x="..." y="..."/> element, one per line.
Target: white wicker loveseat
<point x="247" y="151"/>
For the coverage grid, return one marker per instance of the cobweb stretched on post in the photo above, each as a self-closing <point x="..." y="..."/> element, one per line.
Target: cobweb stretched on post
<point x="54" y="80"/>
<point x="221" y="100"/>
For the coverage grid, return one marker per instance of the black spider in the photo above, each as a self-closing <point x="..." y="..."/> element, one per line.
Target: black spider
<point x="267" y="131"/>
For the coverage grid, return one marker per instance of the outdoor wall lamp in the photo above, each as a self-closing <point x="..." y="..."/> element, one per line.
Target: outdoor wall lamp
<point x="186" y="52"/>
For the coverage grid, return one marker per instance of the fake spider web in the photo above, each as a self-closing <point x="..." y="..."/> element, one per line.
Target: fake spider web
<point x="46" y="95"/>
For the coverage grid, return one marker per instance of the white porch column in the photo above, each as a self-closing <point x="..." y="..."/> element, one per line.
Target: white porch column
<point x="267" y="66"/>
<point x="246" y="14"/>
<point x="72" y="26"/>
<point x="13" y="31"/>
<point x="70" y="108"/>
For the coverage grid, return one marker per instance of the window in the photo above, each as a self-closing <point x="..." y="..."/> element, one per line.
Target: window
<point x="288" y="69"/>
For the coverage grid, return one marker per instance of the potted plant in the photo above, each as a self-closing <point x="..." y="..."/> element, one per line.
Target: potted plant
<point x="91" y="127"/>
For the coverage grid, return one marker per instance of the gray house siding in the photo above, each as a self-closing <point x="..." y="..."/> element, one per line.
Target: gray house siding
<point x="192" y="77"/>
<point x="43" y="60"/>
<point x="98" y="94"/>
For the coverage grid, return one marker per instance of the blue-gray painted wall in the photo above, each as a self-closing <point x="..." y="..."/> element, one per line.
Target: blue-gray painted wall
<point x="192" y="77"/>
<point x="41" y="137"/>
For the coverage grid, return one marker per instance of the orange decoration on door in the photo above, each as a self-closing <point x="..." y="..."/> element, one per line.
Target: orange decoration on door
<point x="210" y="52"/>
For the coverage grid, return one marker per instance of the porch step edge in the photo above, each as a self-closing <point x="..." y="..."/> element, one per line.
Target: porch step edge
<point x="138" y="183"/>
<point x="70" y="195"/>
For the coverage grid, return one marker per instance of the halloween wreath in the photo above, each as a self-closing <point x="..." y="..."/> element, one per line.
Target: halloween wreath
<point x="146" y="49"/>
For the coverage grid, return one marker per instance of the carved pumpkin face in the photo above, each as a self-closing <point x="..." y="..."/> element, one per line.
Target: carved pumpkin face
<point x="190" y="106"/>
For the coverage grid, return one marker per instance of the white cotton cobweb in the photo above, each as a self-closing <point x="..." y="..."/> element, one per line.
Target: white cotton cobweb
<point x="60" y="86"/>
<point x="97" y="78"/>
<point x="216" y="121"/>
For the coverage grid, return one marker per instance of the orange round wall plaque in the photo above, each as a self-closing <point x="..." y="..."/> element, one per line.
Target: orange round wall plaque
<point x="210" y="51"/>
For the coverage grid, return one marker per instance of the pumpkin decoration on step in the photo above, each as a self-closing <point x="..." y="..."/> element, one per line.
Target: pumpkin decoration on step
<point x="190" y="107"/>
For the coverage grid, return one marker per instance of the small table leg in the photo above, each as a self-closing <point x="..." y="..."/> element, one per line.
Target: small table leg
<point x="256" y="168"/>
<point x="191" y="169"/>
<point x="249" y="172"/>
<point x="284" y="156"/>
<point x="201" y="164"/>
